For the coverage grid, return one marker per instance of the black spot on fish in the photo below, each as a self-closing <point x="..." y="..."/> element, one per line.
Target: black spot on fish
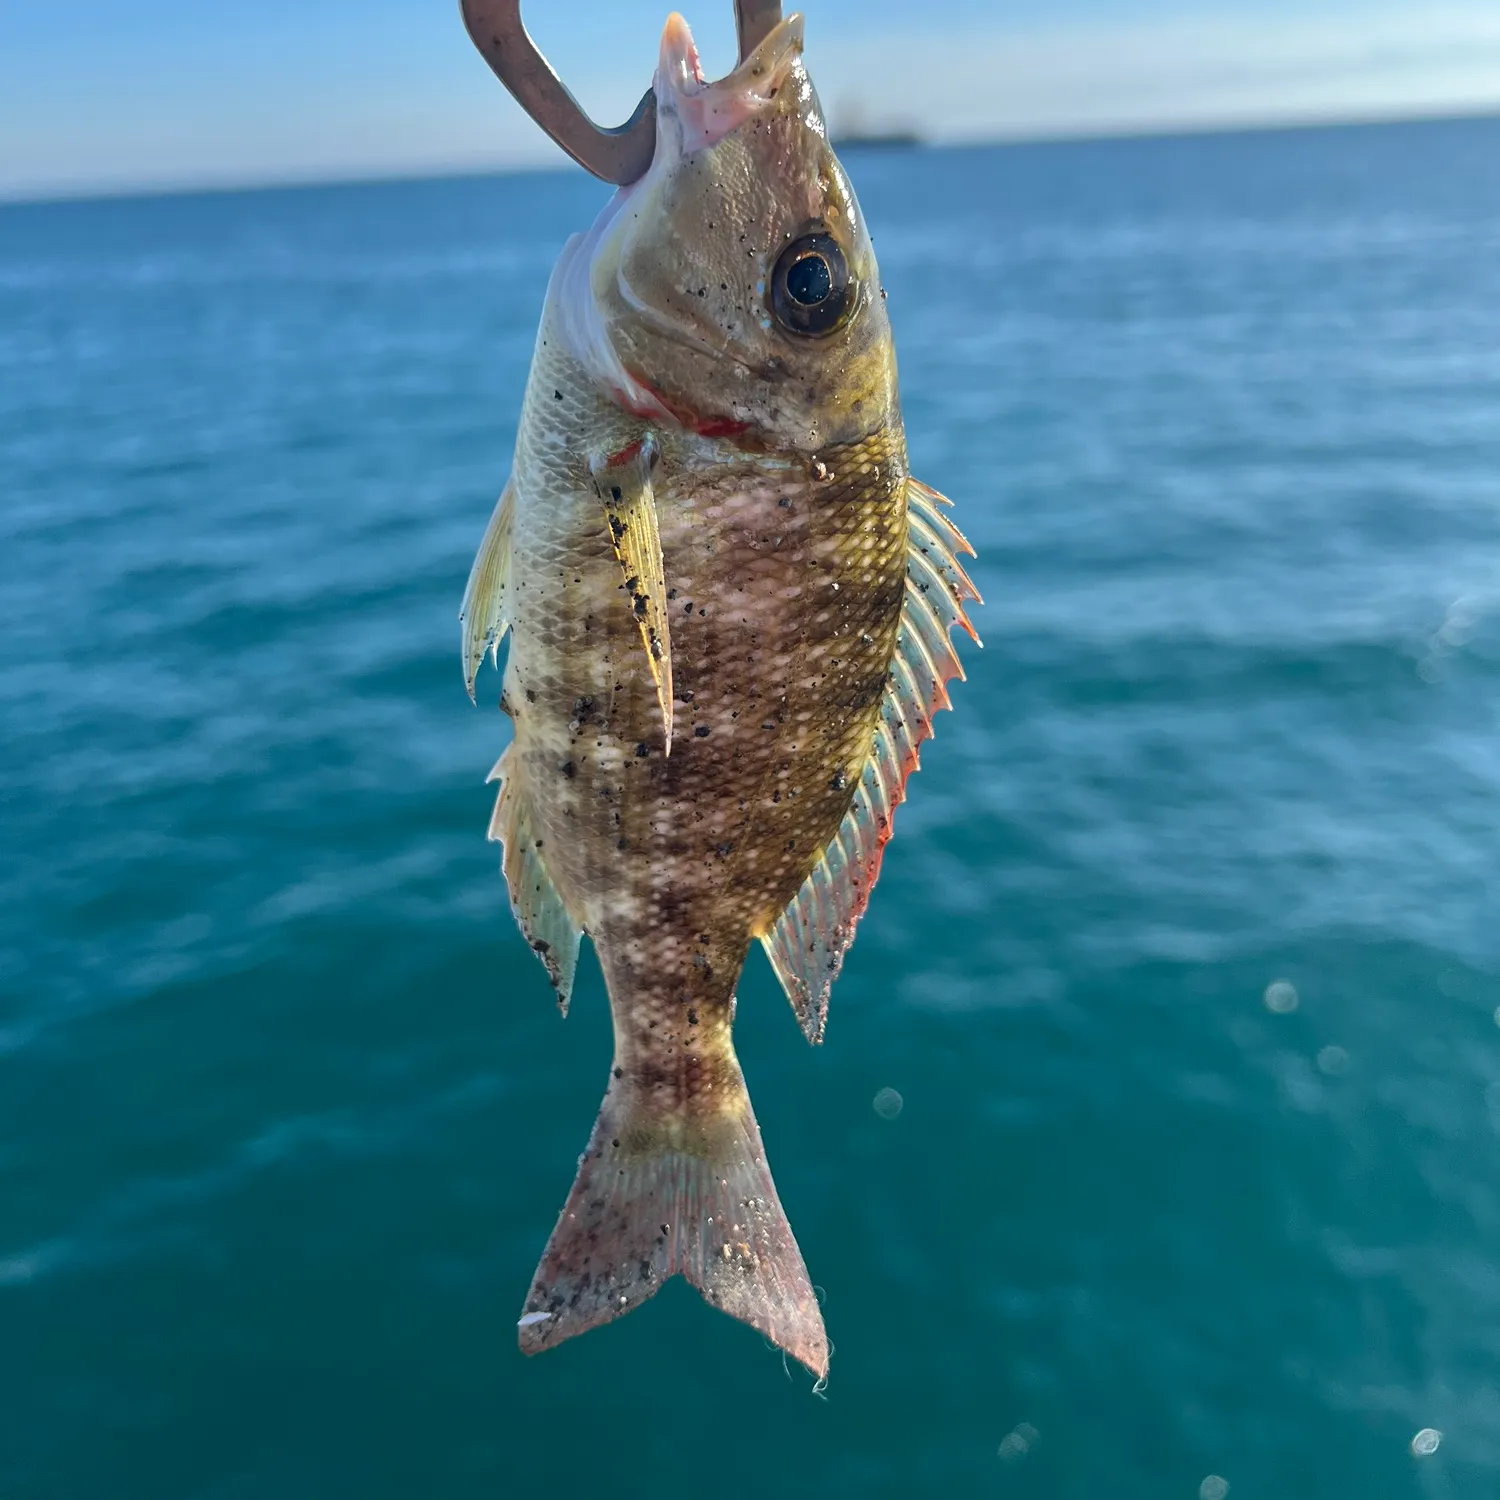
<point x="530" y="696"/>
<point x="569" y="769"/>
<point x="701" y="732"/>
<point x="557" y="395"/>
<point x="642" y="750"/>
<point x="838" y="781"/>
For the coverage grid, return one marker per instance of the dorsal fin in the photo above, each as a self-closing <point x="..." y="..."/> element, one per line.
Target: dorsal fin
<point x="809" y="940"/>
<point x="483" y="612"/>
<point x="554" y="936"/>
<point x="623" y="482"/>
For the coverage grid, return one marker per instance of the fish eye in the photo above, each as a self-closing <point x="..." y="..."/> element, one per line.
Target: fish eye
<point x="811" y="293"/>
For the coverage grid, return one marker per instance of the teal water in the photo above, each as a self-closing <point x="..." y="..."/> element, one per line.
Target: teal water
<point x="286" y="1110"/>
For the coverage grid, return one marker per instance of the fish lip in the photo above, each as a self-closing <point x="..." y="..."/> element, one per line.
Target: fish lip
<point x="680" y="68"/>
<point x="708" y="111"/>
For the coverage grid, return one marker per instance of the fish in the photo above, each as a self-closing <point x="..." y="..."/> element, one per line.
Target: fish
<point x="730" y="611"/>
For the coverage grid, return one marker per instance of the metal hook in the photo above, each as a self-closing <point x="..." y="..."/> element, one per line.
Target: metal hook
<point x="620" y="155"/>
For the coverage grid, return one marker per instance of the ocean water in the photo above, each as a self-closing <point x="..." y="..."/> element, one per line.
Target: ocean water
<point x="1184" y="962"/>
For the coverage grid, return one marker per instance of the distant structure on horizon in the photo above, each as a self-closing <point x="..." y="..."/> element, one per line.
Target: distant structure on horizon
<point x="851" y="129"/>
<point x="868" y="138"/>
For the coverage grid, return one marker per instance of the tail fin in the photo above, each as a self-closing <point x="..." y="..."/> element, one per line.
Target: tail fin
<point x="661" y="1195"/>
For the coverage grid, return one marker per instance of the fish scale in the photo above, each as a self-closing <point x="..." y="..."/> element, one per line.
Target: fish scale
<point x="783" y="614"/>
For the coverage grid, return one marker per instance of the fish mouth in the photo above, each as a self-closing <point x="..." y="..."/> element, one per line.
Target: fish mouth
<point x="709" y="111"/>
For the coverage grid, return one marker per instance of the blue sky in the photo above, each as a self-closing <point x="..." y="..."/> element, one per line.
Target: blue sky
<point x="112" y="95"/>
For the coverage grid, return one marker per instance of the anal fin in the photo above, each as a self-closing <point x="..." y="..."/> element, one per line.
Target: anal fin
<point x="623" y="483"/>
<point x="553" y="935"/>
<point x="809" y="940"/>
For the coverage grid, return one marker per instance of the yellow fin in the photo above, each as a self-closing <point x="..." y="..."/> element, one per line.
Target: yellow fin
<point x="623" y="482"/>
<point x="807" y="944"/>
<point x="483" y="612"/>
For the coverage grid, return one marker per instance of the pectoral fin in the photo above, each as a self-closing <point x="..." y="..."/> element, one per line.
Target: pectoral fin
<point x="483" y="612"/>
<point x="808" y="942"/>
<point x="623" y="482"/>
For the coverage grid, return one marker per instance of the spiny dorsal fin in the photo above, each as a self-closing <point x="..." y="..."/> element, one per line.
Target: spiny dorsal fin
<point x="623" y="481"/>
<point x="554" y="936"/>
<point x="483" y="612"/>
<point x="809" y="940"/>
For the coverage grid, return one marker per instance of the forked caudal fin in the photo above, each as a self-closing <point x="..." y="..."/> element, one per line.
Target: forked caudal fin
<point x="664" y="1195"/>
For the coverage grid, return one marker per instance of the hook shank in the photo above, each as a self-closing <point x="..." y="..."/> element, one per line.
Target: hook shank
<point x="754" y="21"/>
<point x="620" y="155"/>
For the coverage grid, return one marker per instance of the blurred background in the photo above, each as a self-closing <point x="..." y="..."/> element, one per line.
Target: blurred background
<point x="1151" y="1152"/>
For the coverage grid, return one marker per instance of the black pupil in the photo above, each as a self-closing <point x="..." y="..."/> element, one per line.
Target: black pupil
<point x="810" y="281"/>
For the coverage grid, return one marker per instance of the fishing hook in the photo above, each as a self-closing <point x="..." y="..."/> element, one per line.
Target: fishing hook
<point x="620" y="155"/>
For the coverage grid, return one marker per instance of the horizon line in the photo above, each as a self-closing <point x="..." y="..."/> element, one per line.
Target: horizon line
<point x="1017" y="139"/>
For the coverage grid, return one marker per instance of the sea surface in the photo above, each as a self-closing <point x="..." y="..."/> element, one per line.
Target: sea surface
<point x="1184" y="964"/>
